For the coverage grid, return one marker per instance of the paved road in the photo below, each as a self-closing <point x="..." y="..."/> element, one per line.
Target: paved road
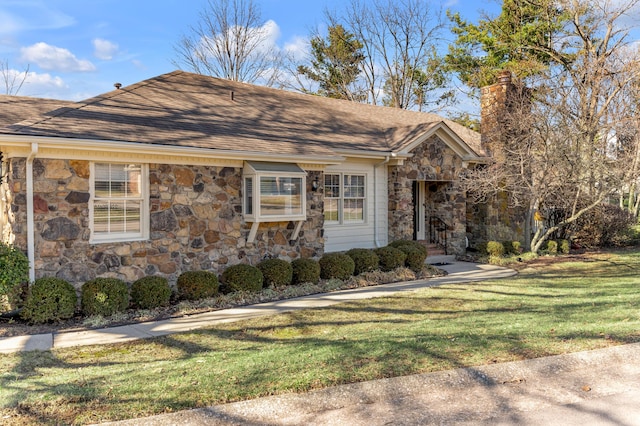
<point x="600" y="387"/>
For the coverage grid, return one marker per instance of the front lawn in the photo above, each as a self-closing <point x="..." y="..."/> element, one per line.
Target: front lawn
<point x="547" y="309"/>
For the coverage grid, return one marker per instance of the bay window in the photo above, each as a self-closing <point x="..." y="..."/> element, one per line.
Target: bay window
<point x="274" y="192"/>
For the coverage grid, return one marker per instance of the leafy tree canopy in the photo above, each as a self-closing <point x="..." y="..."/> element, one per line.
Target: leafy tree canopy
<point x="521" y="40"/>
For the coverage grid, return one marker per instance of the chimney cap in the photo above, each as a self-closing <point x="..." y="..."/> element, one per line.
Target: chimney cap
<point x="117" y="85"/>
<point x="504" y="76"/>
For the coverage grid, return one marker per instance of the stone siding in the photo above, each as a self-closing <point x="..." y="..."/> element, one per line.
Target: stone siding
<point x="196" y="223"/>
<point x="433" y="162"/>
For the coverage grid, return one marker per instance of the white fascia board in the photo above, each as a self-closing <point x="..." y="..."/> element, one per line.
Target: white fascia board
<point x="374" y="155"/>
<point x="168" y="153"/>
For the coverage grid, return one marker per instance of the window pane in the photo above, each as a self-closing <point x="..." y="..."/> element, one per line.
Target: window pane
<point x="353" y="186"/>
<point x="132" y="216"/>
<point x="280" y="196"/>
<point x="331" y="210"/>
<point x="116" y="216"/>
<point x="332" y="186"/>
<point x="248" y="195"/>
<point x="102" y="180"/>
<point x="101" y="217"/>
<point x="353" y="210"/>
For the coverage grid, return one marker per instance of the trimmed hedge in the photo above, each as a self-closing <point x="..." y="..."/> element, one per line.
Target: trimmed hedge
<point x="151" y="292"/>
<point x="365" y="260"/>
<point x="49" y="299"/>
<point x="390" y="258"/>
<point x="564" y="247"/>
<point x="104" y="296"/>
<point x="411" y="243"/>
<point x="14" y="269"/>
<point x="336" y="265"/>
<point x="305" y="271"/>
<point x="276" y="272"/>
<point x="241" y="278"/>
<point x="195" y="285"/>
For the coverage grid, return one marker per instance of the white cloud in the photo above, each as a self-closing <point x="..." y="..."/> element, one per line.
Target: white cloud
<point x="298" y="48"/>
<point x="55" y="58"/>
<point x="104" y="49"/>
<point x="39" y="85"/>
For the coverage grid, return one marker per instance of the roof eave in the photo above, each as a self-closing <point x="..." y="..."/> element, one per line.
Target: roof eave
<point x="95" y="145"/>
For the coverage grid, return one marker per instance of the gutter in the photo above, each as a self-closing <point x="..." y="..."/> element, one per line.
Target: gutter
<point x="375" y="196"/>
<point x="31" y="229"/>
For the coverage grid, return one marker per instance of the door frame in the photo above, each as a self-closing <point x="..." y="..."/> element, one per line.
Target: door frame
<point x="419" y="214"/>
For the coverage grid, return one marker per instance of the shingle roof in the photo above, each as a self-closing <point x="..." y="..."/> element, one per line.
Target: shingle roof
<point x="17" y="108"/>
<point x="191" y="110"/>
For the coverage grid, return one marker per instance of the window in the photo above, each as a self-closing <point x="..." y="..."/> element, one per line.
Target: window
<point x="344" y="198"/>
<point x="118" y="208"/>
<point x="274" y="192"/>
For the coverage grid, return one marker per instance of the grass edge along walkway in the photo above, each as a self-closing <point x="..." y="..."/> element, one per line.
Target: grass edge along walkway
<point x="458" y="272"/>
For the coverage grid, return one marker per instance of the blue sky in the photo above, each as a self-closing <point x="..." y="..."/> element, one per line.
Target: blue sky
<point x="76" y="49"/>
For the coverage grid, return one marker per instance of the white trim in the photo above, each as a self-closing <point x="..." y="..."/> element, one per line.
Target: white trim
<point x="449" y="137"/>
<point x="93" y="149"/>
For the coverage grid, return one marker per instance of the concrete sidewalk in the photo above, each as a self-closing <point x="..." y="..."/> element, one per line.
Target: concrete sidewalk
<point x="458" y="272"/>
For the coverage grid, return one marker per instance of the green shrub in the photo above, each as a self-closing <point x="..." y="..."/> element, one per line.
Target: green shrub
<point x="495" y="248"/>
<point x="415" y="257"/>
<point x="151" y="292"/>
<point x="481" y="247"/>
<point x="241" y="278"/>
<point x="365" y="260"/>
<point x="336" y="265"/>
<point x="517" y="247"/>
<point x="563" y="246"/>
<point x="552" y="247"/>
<point x="49" y="299"/>
<point x="276" y="272"/>
<point x="305" y="271"/>
<point x="104" y="296"/>
<point x="195" y="285"/>
<point x="410" y="243"/>
<point x="508" y="248"/>
<point x="14" y="270"/>
<point x="390" y="258"/>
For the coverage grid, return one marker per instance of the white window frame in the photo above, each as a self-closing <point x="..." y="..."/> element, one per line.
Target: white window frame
<point x="341" y="199"/>
<point x="109" y="237"/>
<point x="253" y="174"/>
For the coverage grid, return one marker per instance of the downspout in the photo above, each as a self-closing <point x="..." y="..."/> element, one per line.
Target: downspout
<point x="30" y="219"/>
<point x="375" y="197"/>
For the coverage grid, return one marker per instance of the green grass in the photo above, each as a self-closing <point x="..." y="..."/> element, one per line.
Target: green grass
<point x="559" y="308"/>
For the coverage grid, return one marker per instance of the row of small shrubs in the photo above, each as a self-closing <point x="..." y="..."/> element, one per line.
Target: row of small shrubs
<point x="508" y="248"/>
<point x="54" y="299"/>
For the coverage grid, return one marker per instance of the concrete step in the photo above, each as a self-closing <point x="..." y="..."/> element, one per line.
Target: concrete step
<point x="440" y="259"/>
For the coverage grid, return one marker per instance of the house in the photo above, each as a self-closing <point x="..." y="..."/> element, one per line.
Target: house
<point x="184" y="171"/>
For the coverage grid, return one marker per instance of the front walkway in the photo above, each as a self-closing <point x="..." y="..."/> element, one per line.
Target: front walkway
<point x="458" y="272"/>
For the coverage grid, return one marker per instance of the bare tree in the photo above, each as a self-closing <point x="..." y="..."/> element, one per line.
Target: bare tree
<point x="230" y="41"/>
<point x="399" y="38"/>
<point x="12" y="79"/>
<point x="554" y="154"/>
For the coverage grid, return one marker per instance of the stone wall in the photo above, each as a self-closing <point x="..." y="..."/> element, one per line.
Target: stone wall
<point x="196" y="223"/>
<point x="434" y="162"/>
